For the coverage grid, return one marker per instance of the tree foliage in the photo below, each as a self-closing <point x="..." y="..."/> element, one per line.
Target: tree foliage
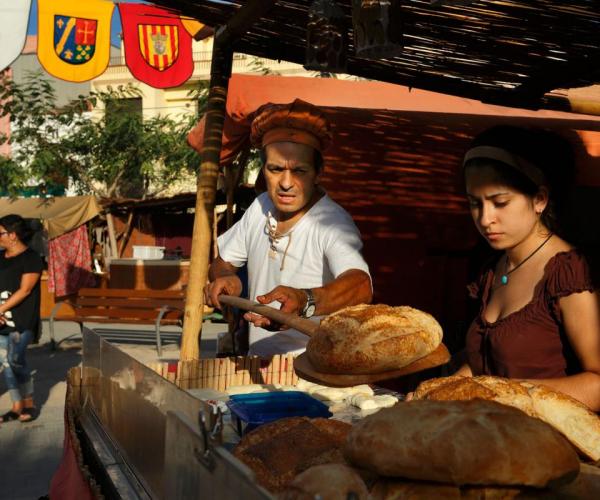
<point x="113" y="154"/>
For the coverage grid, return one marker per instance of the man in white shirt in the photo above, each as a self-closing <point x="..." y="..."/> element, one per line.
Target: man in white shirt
<point x="302" y="250"/>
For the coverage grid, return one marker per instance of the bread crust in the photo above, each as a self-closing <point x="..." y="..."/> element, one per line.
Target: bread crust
<point x="586" y="485"/>
<point x="366" y="339"/>
<point x="280" y="450"/>
<point x="473" y="442"/>
<point x="328" y="482"/>
<point x="573" y="419"/>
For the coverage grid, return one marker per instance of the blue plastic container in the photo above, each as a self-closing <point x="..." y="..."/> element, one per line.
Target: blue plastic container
<point x="252" y="410"/>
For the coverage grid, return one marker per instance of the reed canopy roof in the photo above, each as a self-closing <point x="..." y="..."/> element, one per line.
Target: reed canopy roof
<point x="507" y="52"/>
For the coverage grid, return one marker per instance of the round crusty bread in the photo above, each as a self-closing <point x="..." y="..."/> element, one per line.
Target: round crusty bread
<point x="327" y="482"/>
<point x="368" y="339"/>
<point x="457" y="388"/>
<point x="278" y="451"/>
<point x="462" y="443"/>
<point x="573" y="419"/>
<point x="389" y="489"/>
<point x="586" y="485"/>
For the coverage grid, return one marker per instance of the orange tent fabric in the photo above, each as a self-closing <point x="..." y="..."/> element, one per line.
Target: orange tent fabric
<point x="363" y="106"/>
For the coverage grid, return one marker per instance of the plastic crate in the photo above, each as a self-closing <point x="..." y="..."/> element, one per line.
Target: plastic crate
<point x="148" y="252"/>
<point x="252" y="410"/>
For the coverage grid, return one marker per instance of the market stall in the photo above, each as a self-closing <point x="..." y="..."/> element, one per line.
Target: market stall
<point x="199" y="416"/>
<point x="445" y="49"/>
<point x="394" y="164"/>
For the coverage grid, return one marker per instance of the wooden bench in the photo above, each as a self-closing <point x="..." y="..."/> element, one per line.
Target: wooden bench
<point x="117" y="305"/>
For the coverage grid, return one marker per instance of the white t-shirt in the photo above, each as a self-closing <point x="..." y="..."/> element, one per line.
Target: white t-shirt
<point x="323" y="244"/>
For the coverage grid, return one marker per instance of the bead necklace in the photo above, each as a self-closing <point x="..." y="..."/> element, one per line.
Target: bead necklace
<point x="504" y="277"/>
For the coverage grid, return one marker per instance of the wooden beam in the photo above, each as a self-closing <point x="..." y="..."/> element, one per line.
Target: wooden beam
<point x="222" y="59"/>
<point x="126" y="233"/>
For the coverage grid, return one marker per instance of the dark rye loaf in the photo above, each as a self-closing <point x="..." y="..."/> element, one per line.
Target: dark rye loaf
<point x="278" y="451"/>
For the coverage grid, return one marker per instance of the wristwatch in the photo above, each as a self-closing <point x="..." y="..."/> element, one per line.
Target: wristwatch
<point x="309" y="308"/>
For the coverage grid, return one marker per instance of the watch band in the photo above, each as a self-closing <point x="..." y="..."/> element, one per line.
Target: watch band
<point x="309" y="308"/>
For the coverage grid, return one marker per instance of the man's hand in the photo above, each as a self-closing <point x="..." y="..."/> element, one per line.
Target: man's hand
<point x="228" y="285"/>
<point x="292" y="301"/>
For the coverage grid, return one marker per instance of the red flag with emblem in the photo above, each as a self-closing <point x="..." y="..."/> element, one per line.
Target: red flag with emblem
<point x="158" y="48"/>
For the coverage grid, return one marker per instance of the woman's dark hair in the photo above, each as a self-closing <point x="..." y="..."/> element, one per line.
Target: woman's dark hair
<point x="317" y="160"/>
<point x="16" y="224"/>
<point x="548" y="151"/>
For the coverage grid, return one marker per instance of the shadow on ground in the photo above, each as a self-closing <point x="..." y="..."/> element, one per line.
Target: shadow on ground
<point x="49" y="368"/>
<point x="32" y="451"/>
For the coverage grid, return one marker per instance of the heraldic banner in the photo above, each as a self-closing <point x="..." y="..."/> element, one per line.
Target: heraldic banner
<point x="13" y="31"/>
<point x="198" y="30"/>
<point x="74" y="38"/>
<point x="158" y="49"/>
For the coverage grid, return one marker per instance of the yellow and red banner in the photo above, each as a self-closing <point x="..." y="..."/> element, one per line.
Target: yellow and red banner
<point x="13" y="31"/>
<point x="74" y="38"/>
<point x="198" y="30"/>
<point x="158" y="48"/>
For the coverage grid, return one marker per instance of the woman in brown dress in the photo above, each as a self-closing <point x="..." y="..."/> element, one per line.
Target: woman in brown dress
<point x="539" y="317"/>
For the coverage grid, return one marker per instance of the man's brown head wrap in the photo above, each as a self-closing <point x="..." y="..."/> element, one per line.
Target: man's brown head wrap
<point x="299" y="122"/>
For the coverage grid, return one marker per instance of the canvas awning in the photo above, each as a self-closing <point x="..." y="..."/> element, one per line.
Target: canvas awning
<point x="59" y="215"/>
<point x="385" y="126"/>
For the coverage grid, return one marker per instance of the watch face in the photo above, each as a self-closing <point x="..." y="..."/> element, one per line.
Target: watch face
<point x="310" y="310"/>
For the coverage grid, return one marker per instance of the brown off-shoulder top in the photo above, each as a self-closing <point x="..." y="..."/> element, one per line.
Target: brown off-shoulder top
<point x="531" y="342"/>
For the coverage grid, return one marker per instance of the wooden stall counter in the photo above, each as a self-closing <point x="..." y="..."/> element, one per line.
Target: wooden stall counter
<point x="144" y="274"/>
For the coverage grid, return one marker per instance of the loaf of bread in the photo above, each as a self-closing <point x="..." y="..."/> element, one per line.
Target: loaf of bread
<point x="368" y="339"/>
<point x="413" y="490"/>
<point x="390" y="489"/>
<point x="586" y="485"/>
<point x="473" y="442"/>
<point x="326" y="482"/>
<point x="573" y="419"/>
<point x="278" y="451"/>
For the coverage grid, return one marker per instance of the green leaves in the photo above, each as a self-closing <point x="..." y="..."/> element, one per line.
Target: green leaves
<point x="98" y="144"/>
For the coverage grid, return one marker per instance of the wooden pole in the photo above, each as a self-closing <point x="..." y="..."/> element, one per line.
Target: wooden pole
<point x="230" y="177"/>
<point x="205" y="200"/>
<point x="112" y="236"/>
<point x="220" y="71"/>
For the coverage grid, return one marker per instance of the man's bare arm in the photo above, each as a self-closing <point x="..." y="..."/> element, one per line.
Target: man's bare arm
<point x="349" y="288"/>
<point x="223" y="280"/>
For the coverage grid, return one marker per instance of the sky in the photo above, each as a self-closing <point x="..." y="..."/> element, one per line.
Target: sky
<point x="115" y="28"/>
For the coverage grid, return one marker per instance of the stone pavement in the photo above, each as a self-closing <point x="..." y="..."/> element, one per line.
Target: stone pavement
<point x="31" y="452"/>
